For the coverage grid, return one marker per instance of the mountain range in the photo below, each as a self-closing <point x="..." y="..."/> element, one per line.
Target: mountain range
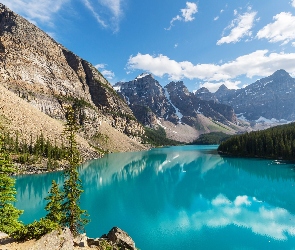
<point x="269" y="101"/>
<point x="271" y="97"/>
<point x="39" y="77"/>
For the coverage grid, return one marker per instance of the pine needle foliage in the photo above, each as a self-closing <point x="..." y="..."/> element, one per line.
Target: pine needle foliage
<point x="54" y="205"/>
<point x="9" y="215"/>
<point x="276" y="143"/>
<point x="74" y="217"/>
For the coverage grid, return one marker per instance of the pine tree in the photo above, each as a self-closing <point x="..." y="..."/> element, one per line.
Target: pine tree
<point x="75" y="217"/>
<point x="54" y="205"/>
<point x="9" y="214"/>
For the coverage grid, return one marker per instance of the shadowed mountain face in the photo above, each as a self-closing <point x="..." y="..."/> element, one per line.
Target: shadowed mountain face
<point x="173" y="102"/>
<point x="146" y="92"/>
<point x="269" y="97"/>
<point x="48" y="76"/>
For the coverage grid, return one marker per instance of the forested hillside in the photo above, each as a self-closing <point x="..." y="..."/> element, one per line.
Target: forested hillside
<point x="211" y="138"/>
<point x="277" y="142"/>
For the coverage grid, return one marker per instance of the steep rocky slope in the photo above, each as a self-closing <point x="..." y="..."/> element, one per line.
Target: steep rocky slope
<point x="48" y="77"/>
<point x="190" y="105"/>
<point x="145" y="95"/>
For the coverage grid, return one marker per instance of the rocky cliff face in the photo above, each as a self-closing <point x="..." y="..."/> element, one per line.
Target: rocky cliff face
<point x="190" y="105"/>
<point x="146" y="92"/>
<point x="270" y="97"/>
<point x="204" y="94"/>
<point x="48" y="76"/>
<point x="151" y="102"/>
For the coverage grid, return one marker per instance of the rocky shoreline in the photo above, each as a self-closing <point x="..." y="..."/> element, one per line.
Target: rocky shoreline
<point x="64" y="240"/>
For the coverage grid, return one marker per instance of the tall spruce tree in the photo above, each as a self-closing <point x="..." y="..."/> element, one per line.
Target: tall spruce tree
<point x="9" y="215"/>
<point x="54" y="205"/>
<point x="74" y="217"/>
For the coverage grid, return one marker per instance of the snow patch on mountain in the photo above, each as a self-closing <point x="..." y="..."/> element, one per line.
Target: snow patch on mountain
<point x="272" y="120"/>
<point x="142" y="75"/>
<point x="178" y="113"/>
<point x="117" y="88"/>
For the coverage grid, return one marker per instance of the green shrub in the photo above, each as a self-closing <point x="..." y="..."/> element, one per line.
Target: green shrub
<point x="35" y="230"/>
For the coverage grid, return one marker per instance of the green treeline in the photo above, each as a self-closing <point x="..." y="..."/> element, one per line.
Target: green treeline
<point x="63" y="205"/>
<point x="157" y="137"/>
<point x="32" y="152"/>
<point x="212" y="138"/>
<point x="277" y="142"/>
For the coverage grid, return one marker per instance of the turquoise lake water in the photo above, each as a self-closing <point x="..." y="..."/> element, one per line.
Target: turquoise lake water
<point x="184" y="197"/>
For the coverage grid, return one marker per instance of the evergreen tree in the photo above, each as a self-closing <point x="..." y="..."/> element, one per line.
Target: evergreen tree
<point x="74" y="216"/>
<point x="9" y="215"/>
<point x="54" y="205"/>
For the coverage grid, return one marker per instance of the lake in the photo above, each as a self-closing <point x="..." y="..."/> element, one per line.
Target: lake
<point x="185" y="197"/>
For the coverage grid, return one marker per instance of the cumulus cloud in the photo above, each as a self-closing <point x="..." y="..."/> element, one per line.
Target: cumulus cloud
<point x="293" y="3"/>
<point x="107" y="13"/>
<point x="186" y="14"/>
<point x="106" y="73"/>
<point x="260" y="63"/>
<point x="36" y="10"/>
<point x="214" y="86"/>
<point x="281" y="30"/>
<point x="239" y="27"/>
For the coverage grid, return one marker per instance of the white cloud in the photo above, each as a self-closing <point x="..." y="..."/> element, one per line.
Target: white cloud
<point x="94" y="13"/>
<point x="107" y="13"/>
<point x="260" y="63"/>
<point x="214" y="86"/>
<point x="293" y="3"/>
<point x="189" y="11"/>
<point x="240" y="27"/>
<point x="106" y="73"/>
<point x="36" y="10"/>
<point x="216" y="18"/>
<point x="186" y="14"/>
<point x="281" y="30"/>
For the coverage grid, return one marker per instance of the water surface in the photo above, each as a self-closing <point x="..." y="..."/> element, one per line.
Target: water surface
<point x="181" y="198"/>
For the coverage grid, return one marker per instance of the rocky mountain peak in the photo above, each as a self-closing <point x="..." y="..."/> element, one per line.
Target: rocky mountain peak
<point x="223" y="88"/>
<point x="204" y="94"/>
<point x="280" y="74"/>
<point x="178" y="86"/>
<point x="145" y="94"/>
<point x="144" y="75"/>
<point x="49" y="77"/>
<point x="271" y="97"/>
<point x="202" y="90"/>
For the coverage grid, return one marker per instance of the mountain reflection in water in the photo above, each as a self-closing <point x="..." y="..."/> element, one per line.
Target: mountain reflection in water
<point x="181" y="197"/>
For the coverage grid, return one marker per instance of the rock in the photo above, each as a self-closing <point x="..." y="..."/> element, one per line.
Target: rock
<point x="3" y="235"/>
<point x="5" y="239"/>
<point x="145" y="91"/>
<point x="56" y="240"/>
<point x="48" y="76"/>
<point x="121" y="239"/>
<point x="81" y="240"/>
<point x="269" y="97"/>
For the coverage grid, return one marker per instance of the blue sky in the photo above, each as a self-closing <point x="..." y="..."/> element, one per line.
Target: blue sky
<point x="204" y="43"/>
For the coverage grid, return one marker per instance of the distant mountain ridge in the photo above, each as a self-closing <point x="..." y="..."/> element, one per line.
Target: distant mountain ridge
<point x="153" y="104"/>
<point x="271" y="97"/>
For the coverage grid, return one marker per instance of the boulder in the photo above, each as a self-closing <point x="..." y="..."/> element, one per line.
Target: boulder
<point x="121" y="239"/>
<point x="56" y="240"/>
<point x="81" y="240"/>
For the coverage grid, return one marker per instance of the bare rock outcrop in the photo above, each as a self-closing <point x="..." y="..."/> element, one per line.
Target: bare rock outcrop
<point x="48" y="77"/>
<point x="62" y="239"/>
